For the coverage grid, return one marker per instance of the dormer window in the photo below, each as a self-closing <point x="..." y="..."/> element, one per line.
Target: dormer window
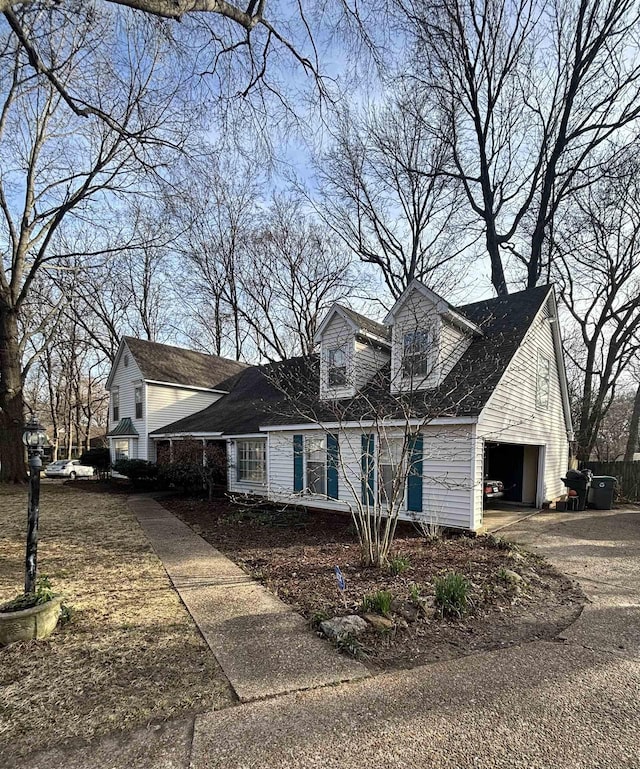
<point x="415" y="354"/>
<point x="337" y="369"/>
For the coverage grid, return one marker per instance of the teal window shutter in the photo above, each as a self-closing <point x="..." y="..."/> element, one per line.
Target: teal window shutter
<point x="298" y="462"/>
<point x="332" y="466"/>
<point x="367" y="469"/>
<point x="414" y="480"/>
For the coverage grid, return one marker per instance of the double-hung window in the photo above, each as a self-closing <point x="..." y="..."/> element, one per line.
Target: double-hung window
<point x="251" y="464"/>
<point x="138" y="401"/>
<point x="316" y="465"/>
<point x="390" y="473"/>
<point x="542" y="382"/>
<point x="416" y="353"/>
<point x="115" y="404"/>
<point x="337" y="366"/>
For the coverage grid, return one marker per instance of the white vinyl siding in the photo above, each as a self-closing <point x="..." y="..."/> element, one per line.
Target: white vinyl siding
<point x="369" y="359"/>
<point x="165" y="404"/>
<point x="512" y="414"/>
<point x="124" y="381"/>
<point x="447" y="472"/>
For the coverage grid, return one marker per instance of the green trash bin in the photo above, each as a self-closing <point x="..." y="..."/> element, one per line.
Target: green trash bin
<point x="602" y="492"/>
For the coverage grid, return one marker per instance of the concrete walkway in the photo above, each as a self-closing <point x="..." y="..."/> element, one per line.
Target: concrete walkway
<point x="263" y="646"/>
<point x="570" y="704"/>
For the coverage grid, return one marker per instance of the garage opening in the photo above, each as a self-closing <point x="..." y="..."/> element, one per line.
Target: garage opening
<point x="515" y="466"/>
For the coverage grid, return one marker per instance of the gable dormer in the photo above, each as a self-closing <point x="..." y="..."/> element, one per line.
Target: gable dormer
<point x="352" y="349"/>
<point x="428" y="338"/>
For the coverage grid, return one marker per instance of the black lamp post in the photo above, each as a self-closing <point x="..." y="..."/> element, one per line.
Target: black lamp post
<point x="34" y="438"/>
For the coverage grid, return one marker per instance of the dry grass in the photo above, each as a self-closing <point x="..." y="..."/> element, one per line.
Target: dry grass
<point x="131" y="652"/>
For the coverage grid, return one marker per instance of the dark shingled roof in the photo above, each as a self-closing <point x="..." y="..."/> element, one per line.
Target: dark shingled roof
<point x="366" y="324"/>
<point x="287" y="392"/>
<point x="164" y="363"/>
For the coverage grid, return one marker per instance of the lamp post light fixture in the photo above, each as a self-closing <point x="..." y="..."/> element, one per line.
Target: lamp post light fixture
<point x="34" y="438"/>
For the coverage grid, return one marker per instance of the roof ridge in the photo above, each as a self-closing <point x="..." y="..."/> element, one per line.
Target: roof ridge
<point x="137" y="339"/>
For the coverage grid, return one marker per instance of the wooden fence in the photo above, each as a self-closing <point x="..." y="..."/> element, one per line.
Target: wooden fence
<point x="627" y="473"/>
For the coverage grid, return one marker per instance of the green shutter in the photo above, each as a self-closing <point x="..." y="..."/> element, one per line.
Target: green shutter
<point x="414" y="480"/>
<point x="367" y="469"/>
<point x="332" y="466"/>
<point x="298" y="462"/>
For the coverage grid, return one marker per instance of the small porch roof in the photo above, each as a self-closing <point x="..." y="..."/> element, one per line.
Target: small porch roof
<point x="124" y="429"/>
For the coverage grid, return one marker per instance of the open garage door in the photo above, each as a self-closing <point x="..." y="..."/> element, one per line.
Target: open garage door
<point x="517" y="466"/>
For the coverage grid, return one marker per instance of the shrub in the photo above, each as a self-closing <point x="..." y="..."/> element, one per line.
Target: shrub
<point x="399" y="564"/>
<point x="184" y="475"/>
<point x="98" y="458"/>
<point x="452" y="594"/>
<point x="139" y="471"/>
<point x="378" y="602"/>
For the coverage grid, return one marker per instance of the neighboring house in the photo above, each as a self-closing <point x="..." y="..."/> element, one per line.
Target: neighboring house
<point x="484" y="385"/>
<point x="152" y="385"/>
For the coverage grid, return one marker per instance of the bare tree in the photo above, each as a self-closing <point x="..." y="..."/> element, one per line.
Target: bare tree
<point x="598" y="264"/>
<point x="230" y="43"/>
<point x="293" y="273"/>
<point x="533" y="95"/>
<point x="389" y="192"/>
<point x="55" y="166"/>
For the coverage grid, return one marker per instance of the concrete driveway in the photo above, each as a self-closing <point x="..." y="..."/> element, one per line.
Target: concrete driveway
<point x="565" y="704"/>
<point x="601" y="550"/>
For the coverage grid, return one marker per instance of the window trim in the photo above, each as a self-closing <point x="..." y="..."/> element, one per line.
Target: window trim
<point x="426" y="357"/>
<point x="332" y="368"/>
<point x="115" y="404"/>
<point x="324" y="463"/>
<point x="258" y="443"/>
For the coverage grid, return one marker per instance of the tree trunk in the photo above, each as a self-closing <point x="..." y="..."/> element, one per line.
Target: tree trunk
<point x="634" y="429"/>
<point x="12" y="457"/>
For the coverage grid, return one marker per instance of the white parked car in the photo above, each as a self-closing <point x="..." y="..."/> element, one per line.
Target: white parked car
<point x="68" y="468"/>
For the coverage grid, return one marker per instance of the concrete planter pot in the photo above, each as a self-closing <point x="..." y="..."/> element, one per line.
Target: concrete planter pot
<point x="26" y="624"/>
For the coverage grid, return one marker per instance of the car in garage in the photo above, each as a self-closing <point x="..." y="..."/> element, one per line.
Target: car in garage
<point x="492" y="490"/>
<point x="68" y="468"/>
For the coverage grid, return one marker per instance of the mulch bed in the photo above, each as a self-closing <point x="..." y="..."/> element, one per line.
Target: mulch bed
<point x="294" y="554"/>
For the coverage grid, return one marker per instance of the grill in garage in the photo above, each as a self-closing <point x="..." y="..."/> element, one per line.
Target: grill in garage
<point x="516" y="465"/>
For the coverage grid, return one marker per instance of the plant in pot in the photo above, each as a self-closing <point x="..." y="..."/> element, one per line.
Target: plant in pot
<point x="34" y="613"/>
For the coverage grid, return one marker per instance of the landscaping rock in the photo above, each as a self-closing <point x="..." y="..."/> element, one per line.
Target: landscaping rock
<point x="378" y="622"/>
<point x="512" y="576"/>
<point x="427" y="606"/>
<point x="339" y="627"/>
<point x="406" y="609"/>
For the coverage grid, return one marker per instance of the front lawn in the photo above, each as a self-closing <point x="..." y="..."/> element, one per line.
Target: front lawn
<point x="130" y="653"/>
<point x="515" y="596"/>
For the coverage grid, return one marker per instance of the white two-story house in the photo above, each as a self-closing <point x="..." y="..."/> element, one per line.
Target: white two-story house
<point x="454" y="395"/>
<point x="152" y="385"/>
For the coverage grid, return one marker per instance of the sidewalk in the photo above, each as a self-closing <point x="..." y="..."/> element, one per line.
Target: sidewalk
<point x="263" y="646"/>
